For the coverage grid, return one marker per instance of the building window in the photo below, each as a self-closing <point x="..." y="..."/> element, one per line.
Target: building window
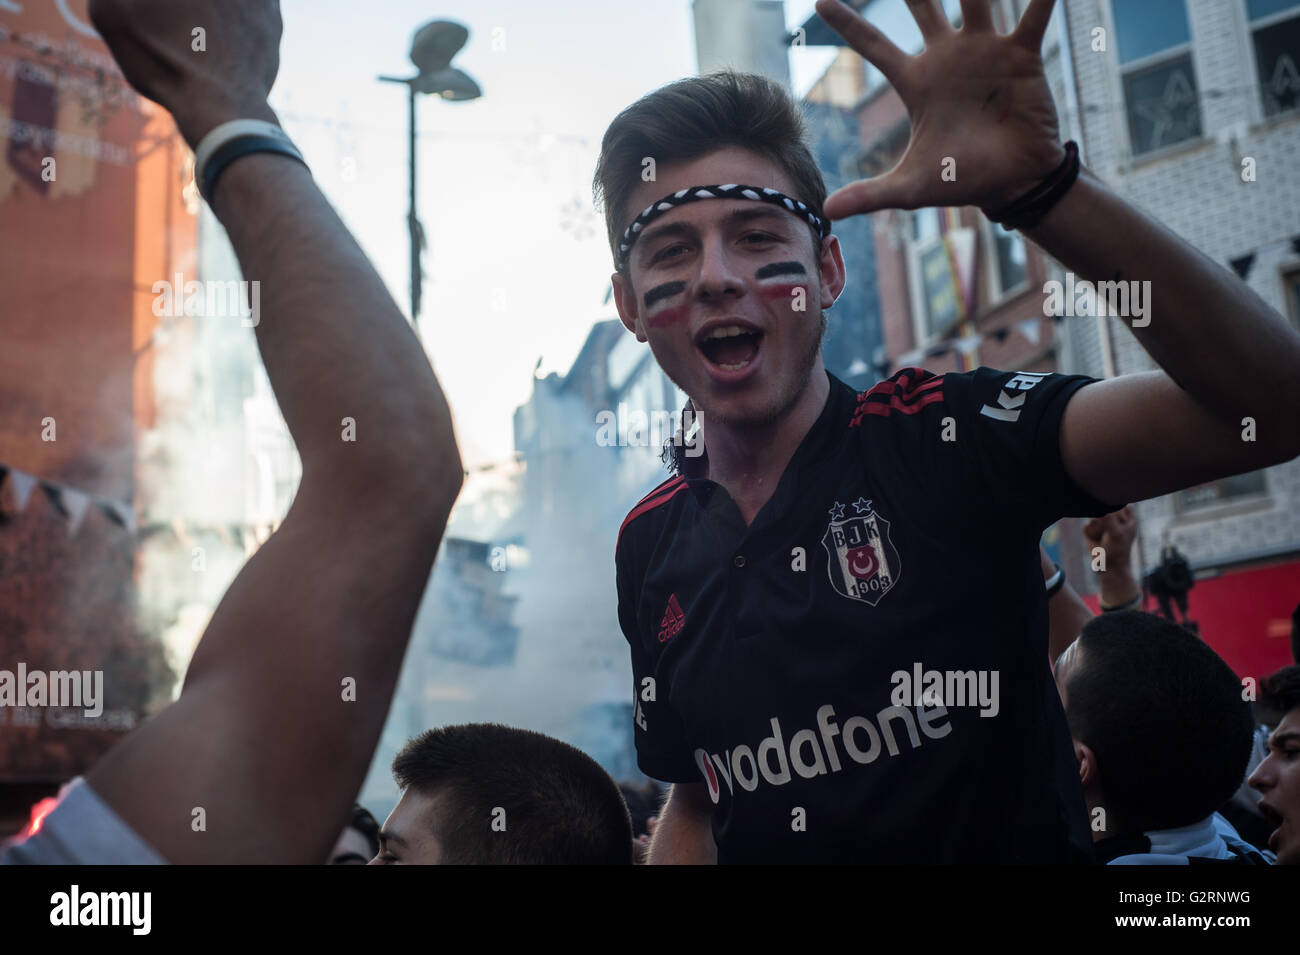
<point x="1223" y="491"/>
<point x="1006" y="261"/>
<point x="925" y="224"/>
<point x="1275" y="35"/>
<point x="935" y="291"/>
<point x="1154" y="45"/>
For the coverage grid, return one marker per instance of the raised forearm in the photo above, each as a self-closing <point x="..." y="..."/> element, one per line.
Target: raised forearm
<point x="1217" y="339"/>
<point x="333" y="341"/>
<point x="1066" y="612"/>
<point x="1118" y="586"/>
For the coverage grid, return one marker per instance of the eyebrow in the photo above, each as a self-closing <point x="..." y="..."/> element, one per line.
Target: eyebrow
<point x="1278" y="740"/>
<point x="386" y="837"/>
<point x="686" y="229"/>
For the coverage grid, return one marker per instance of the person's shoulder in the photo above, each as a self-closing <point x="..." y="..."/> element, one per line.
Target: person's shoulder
<point x="652" y="505"/>
<point x="899" y="398"/>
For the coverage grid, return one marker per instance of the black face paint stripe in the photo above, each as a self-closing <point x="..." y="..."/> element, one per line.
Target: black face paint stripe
<point x="667" y="290"/>
<point x="780" y="268"/>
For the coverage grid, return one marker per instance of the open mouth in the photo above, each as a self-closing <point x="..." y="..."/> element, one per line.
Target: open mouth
<point x="1273" y="818"/>
<point x="1270" y="815"/>
<point x="730" y="347"/>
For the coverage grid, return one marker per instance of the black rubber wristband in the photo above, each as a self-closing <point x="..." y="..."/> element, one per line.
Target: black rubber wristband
<point x="236" y="149"/>
<point x="1055" y="589"/>
<point x="1029" y="210"/>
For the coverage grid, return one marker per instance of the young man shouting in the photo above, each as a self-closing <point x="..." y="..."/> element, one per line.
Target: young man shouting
<point x="836" y="615"/>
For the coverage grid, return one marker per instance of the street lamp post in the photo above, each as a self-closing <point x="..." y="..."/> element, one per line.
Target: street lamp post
<point x="432" y="48"/>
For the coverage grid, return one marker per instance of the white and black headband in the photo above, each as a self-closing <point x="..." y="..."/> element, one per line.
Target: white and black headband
<point x="730" y="191"/>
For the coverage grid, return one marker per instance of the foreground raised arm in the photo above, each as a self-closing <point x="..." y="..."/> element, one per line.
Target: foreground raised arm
<point x="288" y="690"/>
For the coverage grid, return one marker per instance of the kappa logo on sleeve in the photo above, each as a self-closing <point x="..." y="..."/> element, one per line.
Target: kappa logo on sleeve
<point x="861" y="559"/>
<point x="1008" y="406"/>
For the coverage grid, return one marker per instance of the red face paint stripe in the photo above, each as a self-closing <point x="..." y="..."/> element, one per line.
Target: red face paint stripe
<point x="782" y="290"/>
<point x="669" y="316"/>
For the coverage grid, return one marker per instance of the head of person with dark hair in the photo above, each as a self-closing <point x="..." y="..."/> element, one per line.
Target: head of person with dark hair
<point x="730" y="293"/>
<point x="359" y="841"/>
<point x="1161" y="731"/>
<point x="1278" y="777"/>
<point x="483" y="794"/>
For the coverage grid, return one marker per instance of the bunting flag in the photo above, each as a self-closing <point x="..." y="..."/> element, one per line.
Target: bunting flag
<point x="1029" y="328"/>
<point x="968" y="345"/>
<point x="71" y="503"/>
<point x="23" y="485"/>
<point x="75" y="503"/>
<point x="119" y="513"/>
<point x="1244" y="264"/>
<point x="55" y="494"/>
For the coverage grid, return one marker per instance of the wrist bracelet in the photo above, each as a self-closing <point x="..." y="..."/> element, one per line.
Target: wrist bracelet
<point x="1126" y="605"/>
<point x="1027" y="211"/>
<point x="1055" y="582"/>
<point x="231" y="141"/>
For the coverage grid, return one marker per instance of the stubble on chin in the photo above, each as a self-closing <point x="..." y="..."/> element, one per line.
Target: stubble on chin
<point x="782" y="405"/>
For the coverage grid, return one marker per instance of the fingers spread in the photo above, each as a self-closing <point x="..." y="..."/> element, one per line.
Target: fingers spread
<point x="870" y="43"/>
<point x="976" y="15"/>
<point x="1033" y="25"/>
<point x="929" y="16"/>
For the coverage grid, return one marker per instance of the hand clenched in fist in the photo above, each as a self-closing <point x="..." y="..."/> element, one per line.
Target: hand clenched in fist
<point x="205" y="61"/>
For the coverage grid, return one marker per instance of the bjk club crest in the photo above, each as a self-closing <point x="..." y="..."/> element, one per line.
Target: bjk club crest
<point x="861" y="559"/>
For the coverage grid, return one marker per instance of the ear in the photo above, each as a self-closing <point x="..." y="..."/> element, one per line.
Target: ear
<point x="830" y="266"/>
<point x="625" y="301"/>
<point x="1087" y="761"/>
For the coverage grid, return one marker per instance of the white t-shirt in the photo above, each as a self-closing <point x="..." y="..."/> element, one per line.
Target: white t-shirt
<point x="83" y="830"/>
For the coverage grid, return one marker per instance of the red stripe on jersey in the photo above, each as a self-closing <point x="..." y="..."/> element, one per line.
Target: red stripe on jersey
<point x="662" y="487"/>
<point x="660" y="495"/>
<point x="901" y="395"/>
<point x="903" y="388"/>
<point x="881" y="408"/>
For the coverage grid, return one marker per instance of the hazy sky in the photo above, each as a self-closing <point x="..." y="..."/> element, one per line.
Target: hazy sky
<point x="517" y="265"/>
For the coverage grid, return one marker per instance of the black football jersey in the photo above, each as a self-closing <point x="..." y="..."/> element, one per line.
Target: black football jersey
<point x="861" y="674"/>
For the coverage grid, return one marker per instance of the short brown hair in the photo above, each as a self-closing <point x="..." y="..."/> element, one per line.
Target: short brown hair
<point x="693" y="117"/>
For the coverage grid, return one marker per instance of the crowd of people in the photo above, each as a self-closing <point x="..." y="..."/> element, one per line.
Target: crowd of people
<point x="825" y="543"/>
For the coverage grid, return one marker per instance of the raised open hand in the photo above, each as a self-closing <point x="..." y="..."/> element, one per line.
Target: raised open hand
<point x="984" y="128"/>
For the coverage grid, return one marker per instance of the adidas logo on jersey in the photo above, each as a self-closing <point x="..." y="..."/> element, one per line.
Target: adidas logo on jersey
<point x="673" y="620"/>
